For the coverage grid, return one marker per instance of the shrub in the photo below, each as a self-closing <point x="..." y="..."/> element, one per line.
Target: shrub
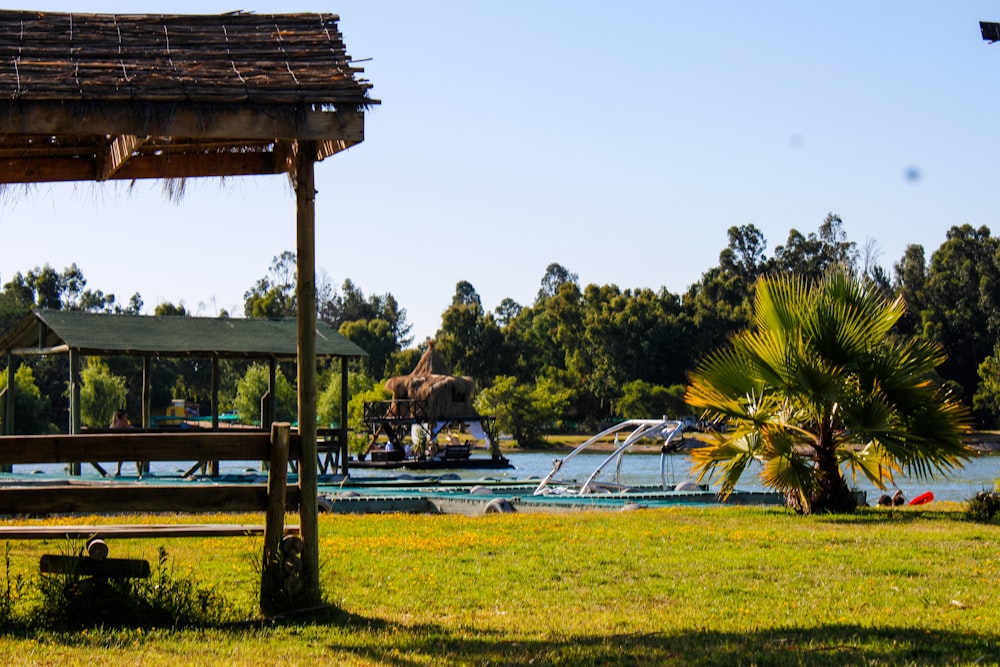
<point x="72" y="601"/>
<point x="983" y="507"/>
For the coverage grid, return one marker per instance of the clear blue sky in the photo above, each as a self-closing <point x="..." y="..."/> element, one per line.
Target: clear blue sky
<point x="620" y="140"/>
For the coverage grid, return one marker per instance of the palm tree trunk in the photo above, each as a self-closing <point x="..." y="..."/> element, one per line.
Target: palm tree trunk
<point x="831" y="494"/>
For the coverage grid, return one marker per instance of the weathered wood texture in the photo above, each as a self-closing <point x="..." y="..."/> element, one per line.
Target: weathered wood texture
<point x="124" y="446"/>
<point x="102" y="498"/>
<point x="134" y="531"/>
<point x="102" y="96"/>
<point x="88" y="567"/>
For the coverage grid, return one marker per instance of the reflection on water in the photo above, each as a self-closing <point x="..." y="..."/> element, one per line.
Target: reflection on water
<point x="639" y="469"/>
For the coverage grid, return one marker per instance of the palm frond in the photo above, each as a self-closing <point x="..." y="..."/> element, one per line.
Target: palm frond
<point x="872" y="461"/>
<point x="729" y="458"/>
<point x="785" y="469"/>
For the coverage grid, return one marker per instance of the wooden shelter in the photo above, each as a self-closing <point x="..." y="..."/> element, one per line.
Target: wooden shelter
<point x="77" y="334"/>
<point x="101" y="96"/>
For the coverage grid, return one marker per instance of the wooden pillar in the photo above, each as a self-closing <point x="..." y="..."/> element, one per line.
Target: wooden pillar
<point x="271" y="409"/>
<point x="74" y="402"/>
<point x="8" y="416"/>
<point x="344" y="451"/>
<point x="8" y="406"/>
<point x="272" y="581"/>
<point x="305" y="292"/>
<point x="147" y="390"/>
<point x="215" y="392"/>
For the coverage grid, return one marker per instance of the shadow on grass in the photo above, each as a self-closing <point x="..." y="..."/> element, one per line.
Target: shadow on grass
<point x="825" y="645"/>
<point x="345" y="637"/>
<point x="870" y="516"/>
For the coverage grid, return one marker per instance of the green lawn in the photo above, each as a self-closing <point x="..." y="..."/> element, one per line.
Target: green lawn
<point x="712" y="586"/>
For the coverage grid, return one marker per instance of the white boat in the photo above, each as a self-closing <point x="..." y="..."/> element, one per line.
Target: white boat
<point x="657" y="429"/>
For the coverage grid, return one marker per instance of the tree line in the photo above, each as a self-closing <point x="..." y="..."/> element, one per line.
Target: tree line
<point x="574" y="357"/>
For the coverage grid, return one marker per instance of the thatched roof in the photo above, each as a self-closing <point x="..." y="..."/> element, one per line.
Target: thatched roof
<point x="103" y="96"/>
<point x="431" y="382"/>
<point x="431" y="363"/>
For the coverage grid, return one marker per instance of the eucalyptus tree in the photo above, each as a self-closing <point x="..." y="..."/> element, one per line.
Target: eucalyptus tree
<point x="910" y="282"/>
<point x="821" y="381"/>
<point x="273" y="296"/>
<point x="811" y="256"/>
<point x="469" y="337"/>
<point x="962" y="309"/>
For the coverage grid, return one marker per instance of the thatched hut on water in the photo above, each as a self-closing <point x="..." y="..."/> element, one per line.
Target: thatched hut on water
<point x="431" y="385"/>
<point x="429" y="398"/>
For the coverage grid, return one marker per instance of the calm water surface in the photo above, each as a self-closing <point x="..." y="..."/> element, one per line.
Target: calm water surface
<point x="979" y="473"/>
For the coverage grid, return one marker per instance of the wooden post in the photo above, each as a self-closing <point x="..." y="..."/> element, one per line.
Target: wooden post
<point x="147" y="402"/>
<point x="74" y="402"/>
<point x="344" y="450"/>
<point x="305" y="293"/>
<point x="147" y="390"/>
<point x="215" y="392"/>
<point x="8" y="415"/>
<point x="272" y="575"/>
<point x="8" y="406"/>
<point x="272" y="392"/>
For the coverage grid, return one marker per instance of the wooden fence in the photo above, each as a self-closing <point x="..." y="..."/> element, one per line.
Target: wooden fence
<point x="273" y="499"/>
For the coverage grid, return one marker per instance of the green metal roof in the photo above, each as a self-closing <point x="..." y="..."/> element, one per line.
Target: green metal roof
<point x="103" y="334"/>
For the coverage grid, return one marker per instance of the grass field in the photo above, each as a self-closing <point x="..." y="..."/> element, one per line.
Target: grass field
<point x="705" y="586"/>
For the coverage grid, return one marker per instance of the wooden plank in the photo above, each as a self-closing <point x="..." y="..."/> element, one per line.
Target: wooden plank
<point x="117" y="152"/>
<point x="60" y="170"/>
<point x="133" y="531"/>
<point x="193" y="497"/>
<point x="124" y="445"/>
<point x="258" y="121"/>
<point x="88" y="567"/>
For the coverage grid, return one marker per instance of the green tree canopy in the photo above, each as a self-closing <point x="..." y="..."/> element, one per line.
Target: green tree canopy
<point x="250" y="389"/>
<point x="523" y="410"/>
<point x="31" y="410"/>
<point x="962" y="302"/>
<point x="101" y="393"/>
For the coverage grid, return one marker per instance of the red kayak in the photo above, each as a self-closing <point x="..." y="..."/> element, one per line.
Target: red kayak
<point x="925" y="497"/>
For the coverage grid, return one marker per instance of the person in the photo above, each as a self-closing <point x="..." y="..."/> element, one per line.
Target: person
<point x="120" y="421"/>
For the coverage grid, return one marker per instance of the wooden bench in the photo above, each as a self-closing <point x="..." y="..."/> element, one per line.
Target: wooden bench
<point x="40" y="497"/>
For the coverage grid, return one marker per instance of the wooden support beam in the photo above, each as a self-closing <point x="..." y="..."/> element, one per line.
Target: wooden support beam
<point x="39" y="351"/>
<point x="169" y="119"/>
<point x="305" y="292"/>
<point x="176" y="166"/>
<point x="116" y="153"/>
<point x="271" y="577"/>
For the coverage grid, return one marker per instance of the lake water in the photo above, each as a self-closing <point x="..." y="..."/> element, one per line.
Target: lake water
<point x="979" y="473"/>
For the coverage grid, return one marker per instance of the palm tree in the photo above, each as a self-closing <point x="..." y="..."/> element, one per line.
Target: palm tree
<point x="820" y="382"/>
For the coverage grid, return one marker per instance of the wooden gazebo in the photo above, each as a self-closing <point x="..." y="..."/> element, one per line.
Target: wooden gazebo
<point x="77" y="334"/>
<point x="97" y="97"/>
